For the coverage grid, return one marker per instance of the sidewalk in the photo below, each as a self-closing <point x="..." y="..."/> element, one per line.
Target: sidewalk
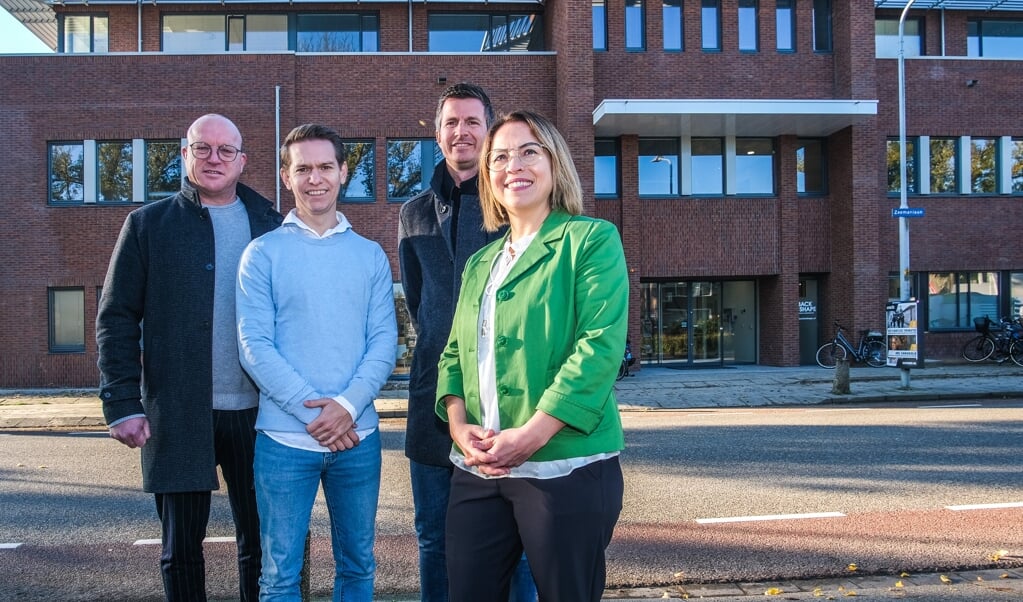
<point x="652" y="388"/>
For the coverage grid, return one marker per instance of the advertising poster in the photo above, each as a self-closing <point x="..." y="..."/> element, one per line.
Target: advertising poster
<point x="902" y="334"/>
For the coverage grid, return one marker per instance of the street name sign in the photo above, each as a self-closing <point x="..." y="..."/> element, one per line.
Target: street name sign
<point x="908" y="212"/>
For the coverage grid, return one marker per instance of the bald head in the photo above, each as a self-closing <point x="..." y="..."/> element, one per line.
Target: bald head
<point x="213" y="158"/>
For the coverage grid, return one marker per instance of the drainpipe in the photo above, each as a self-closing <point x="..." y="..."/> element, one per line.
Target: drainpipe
<point x="277" y="143"/>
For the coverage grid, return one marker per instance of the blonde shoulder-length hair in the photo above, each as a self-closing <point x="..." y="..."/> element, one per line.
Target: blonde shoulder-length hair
<point x="567" y="192"/>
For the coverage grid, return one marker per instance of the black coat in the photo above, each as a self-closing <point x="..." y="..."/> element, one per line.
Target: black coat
<point x="159" y="290"/>
<point x="432" y="260"/>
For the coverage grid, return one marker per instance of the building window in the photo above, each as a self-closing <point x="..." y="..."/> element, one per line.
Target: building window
<point x="67" y="172"/>
<point x="635" y="27"/>
<point x="944" y="159"/>
<point x="658" y="166"/>
<point x="811" y="175"/>
<point x="599" y="12"/>
<point x="886" y="37"/>
<point x="708" y="166"/>
<point x="113" y="171"/>
<point x="163" y="169"/>
<point x="894" y="183"/>
<point x="1017" y="164"/>
<point x="754" y="166"/>
<point x="954" y="299"/>
<point x="785" y="25"/>
<point x="257" y="33"/>
<point x="406" y="332"/>
<point x="605" y="167"/>
<point x="1016" y="294"/>
<point x="984" y="165"/>
<point x="67" y="320"/>
<point x="361" y="160"/>
<point x="822" y="25"/>
<point x="710" y="24"/>
<point x="994" y="38"/>
<point x="671" y="14"/>
<point x="84" y="34"/>
<point x="749" y="39"/>
<point x="409" y="166"/>
<point x="194" y="33"/>
<point x="337" y="33"/>
<point x="503" y="32"/>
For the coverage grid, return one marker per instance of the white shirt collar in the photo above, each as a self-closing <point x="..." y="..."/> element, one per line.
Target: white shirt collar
<point x="342" y="224"/>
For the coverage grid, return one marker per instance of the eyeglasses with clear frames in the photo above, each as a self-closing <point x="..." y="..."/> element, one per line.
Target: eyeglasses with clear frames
<point x="529" y="154"/>
<point x="226" y="152"/>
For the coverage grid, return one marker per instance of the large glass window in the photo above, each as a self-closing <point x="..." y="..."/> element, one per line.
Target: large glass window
<point x="811" y="173"/>
<point x="67" y="172"/>
<point x="1016" y="294"/>
<point x="113" y="171"/>
<point x="708" y="166"/>
<point x="822" y="25"/>
<point x="163" y="169"/>
<point x="361" y="171"/>
<point x="504" y="32"/>
<point x="785" y="25"/>
<point x="67" y="320"/>
<point x="749" y="39"/>
<point x="635" y="27"/>
<point x="754" y="166"/>
<point x="984" y="165"/>
<point x="261" y="33"/>
<point x="658" y="166"/>
<point x="599" y="12"/>
<point x="84" y="33"/>
<point x="671" y="14"/>
<point x="410" y="164"/>
<point x="710" y="24"/>
<point x="894" y="183"/>
<point x="1017" y="164"/>
<point x="886" y="37"/>
<point x="194" y="33"/>
<point x="337" y="33"/>
<point x="994" y="38"/>
<point x="944" y="163"/>
<point x="605" y="167"/>
<point x="954" y="299"/>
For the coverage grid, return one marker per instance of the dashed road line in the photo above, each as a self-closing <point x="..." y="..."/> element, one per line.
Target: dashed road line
<point x="995" y="506"/>
<point x="156" y="542"/>
<point x="743" y="519"/>
<point x="955" y="405"/>
<point x="10" y="546"/>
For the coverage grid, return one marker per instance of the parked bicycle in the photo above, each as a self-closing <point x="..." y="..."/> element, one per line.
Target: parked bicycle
<point x="997" y="343"/>
<point x="627" y="361"/>
<point x="871" y="349"/>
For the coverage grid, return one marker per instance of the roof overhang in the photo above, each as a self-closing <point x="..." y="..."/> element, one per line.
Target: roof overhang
<point x="717" y="117"/>
<point x="974" y="5"/>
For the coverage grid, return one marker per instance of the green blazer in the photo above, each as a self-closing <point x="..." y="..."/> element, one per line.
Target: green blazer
<point x="559" y="335"/>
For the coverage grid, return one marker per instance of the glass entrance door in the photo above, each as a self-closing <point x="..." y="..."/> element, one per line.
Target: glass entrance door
<point x="681" y="322"/>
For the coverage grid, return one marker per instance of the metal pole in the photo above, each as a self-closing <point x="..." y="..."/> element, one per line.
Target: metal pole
<point x="277" y="143"/>
<point x="903" y="184"/>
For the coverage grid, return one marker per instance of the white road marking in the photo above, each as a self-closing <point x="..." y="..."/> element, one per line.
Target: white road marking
<point x="156" y="542"/>
<point x="842" y="410"/>
<point x="985" y="506"/>
<point x="9" y="546"/>
<point x="743" y="519"/>
<point x="961" y="405"/>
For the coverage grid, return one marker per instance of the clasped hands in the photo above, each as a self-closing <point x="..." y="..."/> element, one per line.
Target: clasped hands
<point x="494" y="454"/>
<point x="334" y="428"/>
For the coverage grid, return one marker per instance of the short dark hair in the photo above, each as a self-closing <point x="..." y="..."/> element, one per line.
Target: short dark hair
<point x="312" y="131"/>
<point x="465" y="90"/>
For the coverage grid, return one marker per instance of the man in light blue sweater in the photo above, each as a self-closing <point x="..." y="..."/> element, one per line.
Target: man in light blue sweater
<point x="317" y="333"/>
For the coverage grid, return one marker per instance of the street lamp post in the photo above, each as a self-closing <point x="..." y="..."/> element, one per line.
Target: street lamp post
<point x="903" y="184"/>
<point x="671" y="168"/>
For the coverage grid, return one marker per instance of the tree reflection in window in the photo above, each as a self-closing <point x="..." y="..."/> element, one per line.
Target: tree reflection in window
<point x="163" y="169"/>
<point x="113" y="171"/>
<point x="360" y="161"/>
<point x="67" y="172"/>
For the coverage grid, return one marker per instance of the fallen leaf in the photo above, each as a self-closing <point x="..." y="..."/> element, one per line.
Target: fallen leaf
<point x="774" y="591"/>
<point x="666" y="595"/>
<point x="1004" y="576"/>
<point x="818" y="592"/>
<point x="680" y="574"/>
<point x="903" y="574"/>
<point x="998" y="555"/>
<point x="899" y="584"/>
<point x="850" y="594"/>
<point x="852" y="566"/>
<point x="944" y="579"/>
<point x="979" y="578"/>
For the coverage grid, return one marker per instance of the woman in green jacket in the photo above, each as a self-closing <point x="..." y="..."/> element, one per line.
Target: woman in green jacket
<point x="526" y="381"/>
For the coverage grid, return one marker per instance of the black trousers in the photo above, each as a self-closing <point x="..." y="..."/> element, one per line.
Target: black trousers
<point x="563" y="524"/>
<point x="184" y="516"/>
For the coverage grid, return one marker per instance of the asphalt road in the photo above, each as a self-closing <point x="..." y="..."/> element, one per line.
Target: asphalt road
<point x="730" y="495"/>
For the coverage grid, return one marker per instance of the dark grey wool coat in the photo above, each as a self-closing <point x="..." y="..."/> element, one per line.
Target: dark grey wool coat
<point x="161" y="275"/>
<point x="432" y="251"/>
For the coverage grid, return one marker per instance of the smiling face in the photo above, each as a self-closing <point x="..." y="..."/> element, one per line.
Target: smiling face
<point x="214" y="178"/>
<point x="524" y="191"/>
<point x="314" y="177"/>
<point x="462" y="127"/>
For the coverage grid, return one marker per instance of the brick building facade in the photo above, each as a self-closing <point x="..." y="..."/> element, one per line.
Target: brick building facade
<point x="749" y="261"/>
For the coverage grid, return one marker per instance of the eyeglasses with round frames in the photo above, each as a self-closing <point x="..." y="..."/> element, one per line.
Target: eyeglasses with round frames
<point x="529" y="154"/>
<point x="226" y="152"/>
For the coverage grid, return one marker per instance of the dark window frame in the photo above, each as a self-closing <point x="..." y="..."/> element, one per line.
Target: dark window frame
<point x="61" y="32"/>
<point x="52" y="345"/>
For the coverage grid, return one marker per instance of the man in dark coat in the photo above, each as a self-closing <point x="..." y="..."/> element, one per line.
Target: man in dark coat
<point x="439" y="230"/>
<point x="183" y="397"/>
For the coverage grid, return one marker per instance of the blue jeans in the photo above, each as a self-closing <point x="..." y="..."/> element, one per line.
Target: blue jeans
<point x="431" y="486"/>
<point x="287" y="480"/>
